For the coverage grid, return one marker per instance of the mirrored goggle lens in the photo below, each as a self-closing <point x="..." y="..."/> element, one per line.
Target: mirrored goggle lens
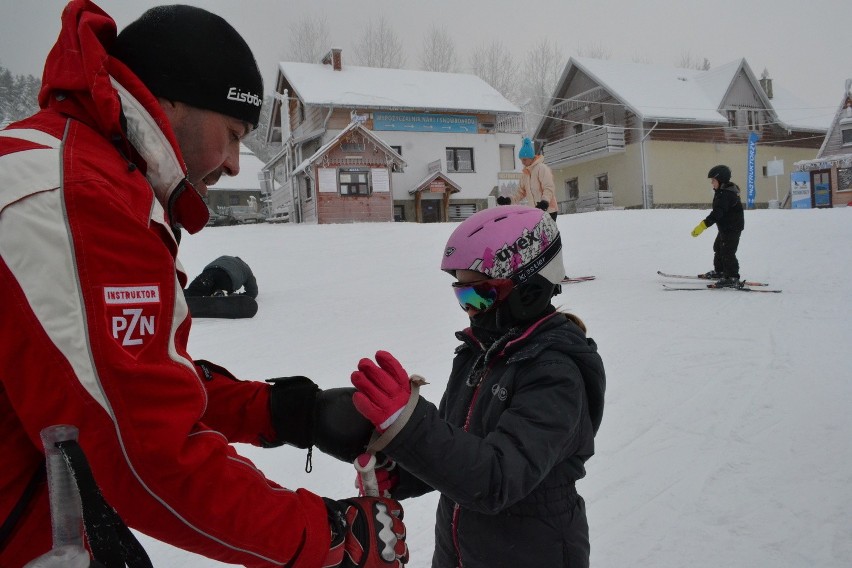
<point x="483" y="294"/>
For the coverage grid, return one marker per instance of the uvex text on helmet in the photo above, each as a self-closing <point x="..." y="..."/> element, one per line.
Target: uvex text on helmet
<point x="511" y="241"/>
<point x="193" y="56"/>
<point x="721" y="173"/>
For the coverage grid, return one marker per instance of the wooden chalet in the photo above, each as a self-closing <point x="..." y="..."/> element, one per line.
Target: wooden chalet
<point x="348" y="179"/>
<point x="634" y="135"/>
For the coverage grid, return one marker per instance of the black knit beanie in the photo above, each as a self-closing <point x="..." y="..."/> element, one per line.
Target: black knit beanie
<point x="190" y="55"/>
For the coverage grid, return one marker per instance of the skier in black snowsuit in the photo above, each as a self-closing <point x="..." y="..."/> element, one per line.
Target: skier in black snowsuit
<point x="224" y="276"/>
<point x="728" y="216"/>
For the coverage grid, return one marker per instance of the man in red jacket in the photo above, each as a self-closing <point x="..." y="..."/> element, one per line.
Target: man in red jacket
<point x="94" y="190"/>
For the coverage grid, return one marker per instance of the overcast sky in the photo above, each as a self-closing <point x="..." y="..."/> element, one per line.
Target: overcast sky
<point x="806" y="47"/>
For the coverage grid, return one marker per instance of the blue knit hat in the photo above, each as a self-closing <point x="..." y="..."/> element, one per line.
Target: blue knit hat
<point x="527" y="150"/>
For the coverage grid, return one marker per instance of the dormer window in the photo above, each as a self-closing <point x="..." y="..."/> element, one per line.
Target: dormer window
<point x="846" y="136"/>
<point x="732" y="118"/>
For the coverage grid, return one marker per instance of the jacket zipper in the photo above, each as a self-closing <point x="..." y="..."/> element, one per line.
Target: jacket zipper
<point x="456" y="508"/>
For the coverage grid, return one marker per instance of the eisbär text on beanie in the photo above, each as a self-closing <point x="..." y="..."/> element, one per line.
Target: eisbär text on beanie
<point x="187" y="54"/>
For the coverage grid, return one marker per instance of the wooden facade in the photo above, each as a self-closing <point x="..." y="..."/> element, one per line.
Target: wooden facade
<point x="348" y="180"/>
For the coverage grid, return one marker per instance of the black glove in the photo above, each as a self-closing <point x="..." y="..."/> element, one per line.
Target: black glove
<point x="366" y="532"/>
<point x="305" y="416"/>
<point x="501" y="200"/>
<point x="543" y="205"/>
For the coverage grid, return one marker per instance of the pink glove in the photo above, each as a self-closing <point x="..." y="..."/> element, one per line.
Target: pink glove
<point x="383" y="389"/>
<point x="385" y="476"/>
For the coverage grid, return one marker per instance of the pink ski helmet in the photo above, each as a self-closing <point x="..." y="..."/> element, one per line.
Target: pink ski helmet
<point x="512" y="241"/>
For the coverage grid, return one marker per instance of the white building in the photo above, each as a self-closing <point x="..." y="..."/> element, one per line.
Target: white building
<point x="451" y="123"/>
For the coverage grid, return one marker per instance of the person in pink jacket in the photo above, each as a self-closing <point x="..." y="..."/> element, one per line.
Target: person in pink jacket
<point x="536" y="185"/>
<point x="94" y="191"/>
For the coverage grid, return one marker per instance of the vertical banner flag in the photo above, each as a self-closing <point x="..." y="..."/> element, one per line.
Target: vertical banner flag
<point x="753" y="137"/>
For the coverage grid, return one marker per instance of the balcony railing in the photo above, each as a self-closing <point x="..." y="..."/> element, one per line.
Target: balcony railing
<point x="589" y="145"/>
<point x="510" y="123"/>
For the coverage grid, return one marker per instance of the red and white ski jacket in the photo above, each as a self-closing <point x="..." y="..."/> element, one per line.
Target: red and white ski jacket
<point x="94" y="327"/>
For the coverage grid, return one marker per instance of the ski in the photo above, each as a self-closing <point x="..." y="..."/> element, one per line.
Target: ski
<point x="577" y="279"/>
<point x="713" y="287"/>
<point x="700" y="277"/>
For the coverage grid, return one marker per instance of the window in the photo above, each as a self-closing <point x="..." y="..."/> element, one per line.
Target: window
<point x="233" y="200"/>
<point x="397" y="149"/>
<point x="461" y="212"/>
<point x="598" y="120"/>
<point x="459" y="159"/>
<point x="732" y="118"/>
<point x="352" y="147"/>
<point x="846" y="136"/>
<point x="309" y="190"/>
<point x="354" y="182"/>
<point x="398" y="213"/>
<point x="753" y="119"/>
<point x="602" y="182"/>
<point x="572" y="188"/>
<point x="578" y="128"/>
<point x="507" y="158"/>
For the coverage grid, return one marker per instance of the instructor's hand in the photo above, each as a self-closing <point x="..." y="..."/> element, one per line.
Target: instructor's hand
<point x="699" y="228"/>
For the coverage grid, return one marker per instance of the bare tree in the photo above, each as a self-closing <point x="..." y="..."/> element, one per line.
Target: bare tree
<point x="308" y="39"/>
<point x="379" y="46"/>
<point x="543" y="67"/>
<point x="439" y="51"/>
<point x="595" y="51"/>
<point x="688" y="61"/>
<point x="494" y="64"/>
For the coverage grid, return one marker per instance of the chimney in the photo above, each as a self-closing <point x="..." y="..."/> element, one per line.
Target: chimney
<point x="333" y="58"/>
<point x="766" y="83"/>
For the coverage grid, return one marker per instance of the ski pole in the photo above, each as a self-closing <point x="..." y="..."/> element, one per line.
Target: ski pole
<point x="367" y="472"/>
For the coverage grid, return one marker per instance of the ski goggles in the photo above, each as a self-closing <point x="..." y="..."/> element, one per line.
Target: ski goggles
<point x="482" y="294"/>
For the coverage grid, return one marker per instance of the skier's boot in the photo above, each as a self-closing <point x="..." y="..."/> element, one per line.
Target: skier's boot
<point x="729" y="282"/>
<point x="712" y="275"/>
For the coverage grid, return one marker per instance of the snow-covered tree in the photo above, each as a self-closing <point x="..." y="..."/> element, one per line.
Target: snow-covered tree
<point x="307" y="40"/>
<point x="494" y="64"/>
<point x="595" y="51"/>
<point x="542" y="68"/>
<point x="379" y="46"/>
<point x="688" y="61"/>
<point x="18" y="95"/>
<point x="439" y="51"/>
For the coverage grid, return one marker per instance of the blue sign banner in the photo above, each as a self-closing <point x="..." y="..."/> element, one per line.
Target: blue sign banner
<point x="753" y="137"/>
<point x="416" y="122"/>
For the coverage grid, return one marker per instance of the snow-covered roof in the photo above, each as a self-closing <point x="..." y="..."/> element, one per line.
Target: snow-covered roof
<point x="372" y="87"/>
<point x="423" y="184"/>
<point x="352" y="126"/>
<point x="673" y="94"/>
<point x="654" y="92"/>
<point x="250" y="166"/>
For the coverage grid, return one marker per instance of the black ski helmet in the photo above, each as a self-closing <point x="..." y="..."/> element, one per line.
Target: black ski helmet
<point x="720" y="173"/>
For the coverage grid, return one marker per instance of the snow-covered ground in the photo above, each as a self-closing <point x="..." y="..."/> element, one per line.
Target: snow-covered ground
<point x="727" y="434"/>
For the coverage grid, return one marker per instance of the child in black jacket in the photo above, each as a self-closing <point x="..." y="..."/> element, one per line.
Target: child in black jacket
<point x="517" y="421"/>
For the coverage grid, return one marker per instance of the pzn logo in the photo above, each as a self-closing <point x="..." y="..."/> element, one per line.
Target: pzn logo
<point x="132" y="313"/>
<point x="132" y="326"/>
